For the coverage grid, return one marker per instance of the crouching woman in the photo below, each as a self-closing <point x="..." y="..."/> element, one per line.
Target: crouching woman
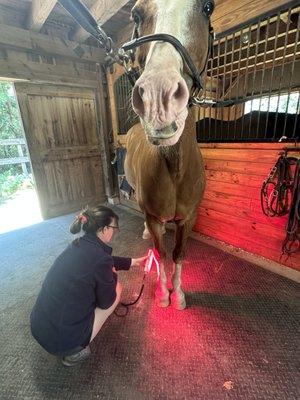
<point x="81" y="289"/>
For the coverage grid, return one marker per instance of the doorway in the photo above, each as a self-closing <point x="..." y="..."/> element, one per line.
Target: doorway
<point x="19" y="205"/>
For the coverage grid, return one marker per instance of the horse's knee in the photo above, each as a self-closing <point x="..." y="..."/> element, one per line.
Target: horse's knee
<point x="178" y="256"/>
<point x="146" y="233"/>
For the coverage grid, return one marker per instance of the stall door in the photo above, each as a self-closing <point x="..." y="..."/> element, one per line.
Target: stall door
<point x="60" y="125"/>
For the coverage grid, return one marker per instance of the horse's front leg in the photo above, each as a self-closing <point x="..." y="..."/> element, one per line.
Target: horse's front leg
<point x="157" y="231"/>
<point x="183" y="229"/>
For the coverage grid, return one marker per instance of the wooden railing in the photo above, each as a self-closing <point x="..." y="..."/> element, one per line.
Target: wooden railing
<point x="15" y="160"/>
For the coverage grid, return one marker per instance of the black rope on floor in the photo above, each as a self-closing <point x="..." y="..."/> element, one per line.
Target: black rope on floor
<point x="127" y="305"/>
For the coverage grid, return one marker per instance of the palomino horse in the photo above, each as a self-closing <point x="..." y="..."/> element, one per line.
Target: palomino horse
<point x="163" y="162"/>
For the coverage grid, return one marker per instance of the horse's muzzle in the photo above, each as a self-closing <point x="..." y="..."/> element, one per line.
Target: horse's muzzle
<point x="157" y="136"/>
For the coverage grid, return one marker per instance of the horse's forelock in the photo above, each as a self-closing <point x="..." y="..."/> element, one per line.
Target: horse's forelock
<point x="182" y="19"/>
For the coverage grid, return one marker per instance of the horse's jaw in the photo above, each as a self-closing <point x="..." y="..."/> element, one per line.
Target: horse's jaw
<point x="168" y="135"/>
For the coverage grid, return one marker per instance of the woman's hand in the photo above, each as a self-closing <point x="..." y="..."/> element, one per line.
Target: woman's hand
<point x="137" y="262"/>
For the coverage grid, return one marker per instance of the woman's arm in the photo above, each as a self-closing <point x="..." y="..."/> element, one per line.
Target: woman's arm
<point x="106" y="282"/>
<point x="122" y="263"/>
<point x="125" y="263"/>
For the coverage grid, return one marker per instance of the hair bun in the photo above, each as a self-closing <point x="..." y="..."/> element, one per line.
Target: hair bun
<point x="82" y="218"/>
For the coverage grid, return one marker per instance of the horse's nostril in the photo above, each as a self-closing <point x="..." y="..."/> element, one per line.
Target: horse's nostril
<point x="141" y="91"/>
<point x="179" y="91"/>
<point x="137" y="100"/>
<point x="174" y="126"/>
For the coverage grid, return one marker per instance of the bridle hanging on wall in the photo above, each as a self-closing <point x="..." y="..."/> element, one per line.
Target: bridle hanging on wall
<point x="124" y="56"/>
<point x="280" y="195"/>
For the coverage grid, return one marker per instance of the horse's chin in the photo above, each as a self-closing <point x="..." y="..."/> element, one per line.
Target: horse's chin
<point x="170" y="141"/>
<point x="168" y="136"/>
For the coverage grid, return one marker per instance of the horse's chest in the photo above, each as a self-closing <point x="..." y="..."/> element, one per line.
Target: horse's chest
<point x="156" y="187"/>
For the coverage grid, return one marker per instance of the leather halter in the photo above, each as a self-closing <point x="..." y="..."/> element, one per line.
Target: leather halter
<point x="133" y="73"/>
<point x="163" y="37"/>
<point x="124" y="55"/>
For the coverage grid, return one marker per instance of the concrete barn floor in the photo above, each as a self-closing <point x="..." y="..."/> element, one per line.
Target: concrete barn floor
<point x="237" y="339"/>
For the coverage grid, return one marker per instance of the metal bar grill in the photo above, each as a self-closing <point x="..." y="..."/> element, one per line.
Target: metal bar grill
<point x="126" y="116"/>
<point x="258" y="67"/>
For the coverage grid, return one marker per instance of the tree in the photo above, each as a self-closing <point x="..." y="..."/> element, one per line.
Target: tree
<point x="10" y="125"/>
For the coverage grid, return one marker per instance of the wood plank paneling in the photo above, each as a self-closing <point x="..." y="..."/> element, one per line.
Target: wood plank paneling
<point x="230" y="210"/>
<point x="242" y="167"/>
<point x="230" y="13"/>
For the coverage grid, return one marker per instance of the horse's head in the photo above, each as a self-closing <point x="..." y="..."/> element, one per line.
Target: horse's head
<point x="160" y="96"/>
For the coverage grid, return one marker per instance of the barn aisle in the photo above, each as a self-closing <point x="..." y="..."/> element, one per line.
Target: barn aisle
<point x="237" y="339"/>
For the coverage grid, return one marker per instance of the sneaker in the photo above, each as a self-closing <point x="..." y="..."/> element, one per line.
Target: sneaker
<point x="74" y="359"/>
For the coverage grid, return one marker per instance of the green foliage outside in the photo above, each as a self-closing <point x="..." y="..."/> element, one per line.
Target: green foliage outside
<point x="11" y="176"/>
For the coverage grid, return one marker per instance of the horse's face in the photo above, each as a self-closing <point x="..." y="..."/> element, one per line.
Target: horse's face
<point x="160" y="96"/>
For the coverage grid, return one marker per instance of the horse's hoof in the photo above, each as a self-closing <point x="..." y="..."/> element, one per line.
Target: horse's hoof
<point x="162" y="300"/>
<point x="146" y="236"/>
<point x="162" y="303"/>
<point x="178" y="301"/>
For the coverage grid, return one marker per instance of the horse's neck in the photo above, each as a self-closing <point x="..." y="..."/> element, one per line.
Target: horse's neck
<point x="177" y="157"/>
<point x="172" y="156"/>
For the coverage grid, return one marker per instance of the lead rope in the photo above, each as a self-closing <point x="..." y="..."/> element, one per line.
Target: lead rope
<point x="151" y="257"/>
<point x="291" y="242"/>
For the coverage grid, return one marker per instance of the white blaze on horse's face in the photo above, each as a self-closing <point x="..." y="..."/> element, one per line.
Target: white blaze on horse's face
<point x="160" y="96"/>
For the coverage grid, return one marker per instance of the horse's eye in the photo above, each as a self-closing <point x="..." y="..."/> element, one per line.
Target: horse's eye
<point x="208" y="8"/>
<point x="136" y="16"/>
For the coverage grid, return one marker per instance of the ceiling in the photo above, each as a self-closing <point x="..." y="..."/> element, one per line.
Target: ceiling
<point x="59" y="22"/>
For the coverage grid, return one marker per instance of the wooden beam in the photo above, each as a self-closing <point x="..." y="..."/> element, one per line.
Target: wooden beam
<point x="102" y="11"/>
<point x="12" y="37"/>
<point x="9" y="142"/>
<point x="103" y="123"/>
<point x="15" y="160"/>
<point x="18" y="66"/>
<point x="39" y="12"/>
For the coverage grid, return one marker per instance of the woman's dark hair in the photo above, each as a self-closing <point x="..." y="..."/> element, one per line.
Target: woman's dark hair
<point x="90" y="220"/>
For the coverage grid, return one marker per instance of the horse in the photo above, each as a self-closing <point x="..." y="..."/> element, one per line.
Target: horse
<point x="163" y="163"/>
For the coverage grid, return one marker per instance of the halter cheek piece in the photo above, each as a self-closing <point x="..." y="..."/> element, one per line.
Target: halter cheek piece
<point x="125" y="55"/>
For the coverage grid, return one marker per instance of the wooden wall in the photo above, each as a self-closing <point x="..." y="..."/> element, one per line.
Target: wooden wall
<point x="230" y="13"/>
<point x="231" y="211"/>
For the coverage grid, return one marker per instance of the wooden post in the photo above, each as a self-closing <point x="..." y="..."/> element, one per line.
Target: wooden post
<point x="102" y="122"/>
